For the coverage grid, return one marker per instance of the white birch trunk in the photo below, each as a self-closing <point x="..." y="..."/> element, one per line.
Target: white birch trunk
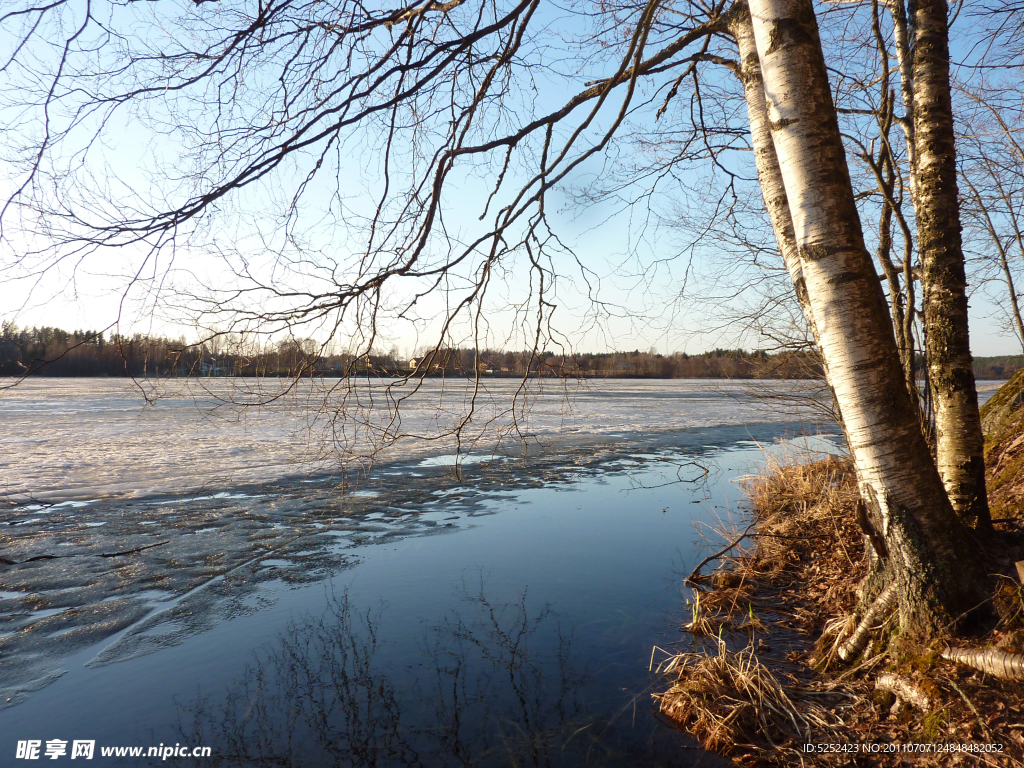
<point x="766" y="161"/>
<point x="773" y="191"/>
<point x="929" y="557"/>
<point x="901" y="44"/>
<point x="959" y="444"/>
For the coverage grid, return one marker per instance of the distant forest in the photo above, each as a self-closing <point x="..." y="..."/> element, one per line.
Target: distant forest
<point x="55" y="352"/>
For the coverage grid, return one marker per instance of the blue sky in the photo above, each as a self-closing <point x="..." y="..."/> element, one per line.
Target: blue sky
<point x="660" y="289"/>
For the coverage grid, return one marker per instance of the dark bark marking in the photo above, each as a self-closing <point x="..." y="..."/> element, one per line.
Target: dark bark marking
<point x="778" y="125"/>
<point x="845" y="277"/>
<point x="874" y="537"/>
<point x="794" y="31"/>
<point x="816" y="251"/>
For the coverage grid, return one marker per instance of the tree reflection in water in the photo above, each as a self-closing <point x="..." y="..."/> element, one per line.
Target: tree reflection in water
<point x="494" y="684"/>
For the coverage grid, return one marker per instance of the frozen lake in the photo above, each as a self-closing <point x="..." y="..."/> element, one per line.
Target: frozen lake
<point x="186" y="573"/>
<point x="75" y="439"/>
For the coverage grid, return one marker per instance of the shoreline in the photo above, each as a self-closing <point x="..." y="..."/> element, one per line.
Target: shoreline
<point x="776" y="686"/>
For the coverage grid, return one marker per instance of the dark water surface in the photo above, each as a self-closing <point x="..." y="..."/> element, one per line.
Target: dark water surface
<point x="507" y="620"/>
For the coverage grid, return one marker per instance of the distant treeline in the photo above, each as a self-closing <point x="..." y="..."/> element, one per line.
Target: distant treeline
<point x="55" y="352"/>
<point x="1002" y="367"/>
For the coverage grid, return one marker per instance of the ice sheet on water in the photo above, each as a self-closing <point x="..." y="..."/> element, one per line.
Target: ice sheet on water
<point x="43" y="509"/>
<point x="221" y="495"/>
<point x="14" y="695"/>
<point x="453" y="459"/>
<point x="76" y="440"/>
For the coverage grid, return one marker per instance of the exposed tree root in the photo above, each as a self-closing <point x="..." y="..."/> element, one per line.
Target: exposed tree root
<point x="904" y="690"/>
<point x="857" y="641"/>
<point x="993" y="661"/>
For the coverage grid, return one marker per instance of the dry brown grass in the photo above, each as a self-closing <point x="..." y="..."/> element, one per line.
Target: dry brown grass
<point x="732" y="702"/>
<point x="798" y="580"/>
<point x="807" y="543"/>
<point x="799" y="507"/>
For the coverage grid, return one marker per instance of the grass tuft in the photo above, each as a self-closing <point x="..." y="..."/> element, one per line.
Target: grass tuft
<point x="730" y="700"/>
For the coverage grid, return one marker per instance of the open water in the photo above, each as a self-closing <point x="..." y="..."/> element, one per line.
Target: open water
<point x="193" y="572"/>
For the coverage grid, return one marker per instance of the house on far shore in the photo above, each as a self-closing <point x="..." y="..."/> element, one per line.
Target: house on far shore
<point x="413" y="363"/>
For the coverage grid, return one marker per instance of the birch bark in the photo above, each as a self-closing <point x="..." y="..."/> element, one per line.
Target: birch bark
<point x="934" y="567"/>
<point x="959" y="444"/>
<point x="901" y="43"/>
<point x="766" y="161"/>
<point x="773" y="191"/>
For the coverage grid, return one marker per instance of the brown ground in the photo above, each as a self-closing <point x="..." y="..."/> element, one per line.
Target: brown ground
<point x="743" y="695"/>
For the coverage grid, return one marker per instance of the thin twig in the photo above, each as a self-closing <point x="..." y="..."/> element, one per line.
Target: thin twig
<point x="984" y="728"/>
<point x="694" y="576"/>
<point x="133" y="551"/>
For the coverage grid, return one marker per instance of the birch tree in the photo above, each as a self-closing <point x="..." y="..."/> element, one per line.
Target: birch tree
<point x="920" y="48"/>
<point x="960" y="449"/>
<point x="937" y="576"/>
